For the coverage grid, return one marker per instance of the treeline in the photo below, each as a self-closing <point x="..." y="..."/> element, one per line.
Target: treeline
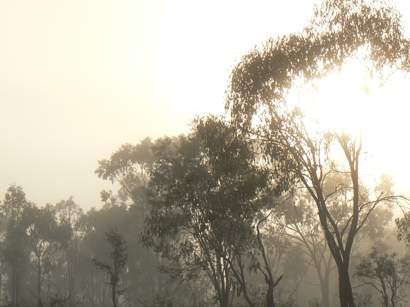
<point x="199" y="220"/>
<point x="50" y="254"/>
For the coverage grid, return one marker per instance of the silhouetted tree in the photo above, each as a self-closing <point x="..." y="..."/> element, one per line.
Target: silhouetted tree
<point x="14" y="248"/>
<point x="117" y="265"/>
<point x="205" y="190"/>
<point x="387" y="274"/>
<point x="298" y="216"/>
<point x="45" y="238"/>
<point x="68" y="215"/>
<point x="260" y="82"/>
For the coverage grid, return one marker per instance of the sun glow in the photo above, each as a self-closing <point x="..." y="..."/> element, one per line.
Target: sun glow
<point x="341" y="101"/>
<point x="353" y="101"/>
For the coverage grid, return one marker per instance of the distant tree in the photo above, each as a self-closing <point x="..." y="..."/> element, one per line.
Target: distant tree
<point x="68" y="215"/>
<point x="129" y="166"/>
<point x="15" y="252"/>
<point x="295" y="267"/>
<point x="95" y="225"/>
<point x="205" y="190"/>
<point x="403" y="228"/>
<point x="45" y="238"/>
<point x="298" y="217"/>
<point x="387" y="274"/>
<point x="118" y="263"/>
<point x="259" y="106"/>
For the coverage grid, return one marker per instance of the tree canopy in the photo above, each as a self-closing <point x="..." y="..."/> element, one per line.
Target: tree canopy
<point x="258" y="105"/>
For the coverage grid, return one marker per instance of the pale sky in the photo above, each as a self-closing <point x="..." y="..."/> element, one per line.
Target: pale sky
<point x="80" y="78"/>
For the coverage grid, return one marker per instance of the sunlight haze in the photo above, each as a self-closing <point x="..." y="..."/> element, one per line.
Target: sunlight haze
<point x="81" y="78"/>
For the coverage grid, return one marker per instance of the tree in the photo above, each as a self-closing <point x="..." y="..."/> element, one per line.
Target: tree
<point x="297" y="215"/>
<point x="118" y="263"/>
<point x="403" y="228"/>
<point x="205" y="190"/>
<point x="299" y="219"/>
<point x="130" y="167"/>
<point x="45" y="238"/>
<point x="68" y="215"/>
<point x="12" y="209"/>
<point x="387" y="274"/>
<point x="260" y="82"/>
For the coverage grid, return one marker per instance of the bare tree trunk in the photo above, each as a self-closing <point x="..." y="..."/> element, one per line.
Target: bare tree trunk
<point x="39" y="281"/>
<point x="345" y="287"/>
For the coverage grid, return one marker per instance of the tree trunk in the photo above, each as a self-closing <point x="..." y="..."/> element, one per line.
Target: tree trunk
<point x="39" y="281"/>
<point x="345" y="287"/>
<point x="325" y="286"/>
<point x="325" y="293"/>
<point x="71" y="276"/>
<point x="113" y="294"/>
<point x="270" y="300"/>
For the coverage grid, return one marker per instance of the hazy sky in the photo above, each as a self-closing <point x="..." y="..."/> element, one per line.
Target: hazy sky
<point x="80" y="78"/>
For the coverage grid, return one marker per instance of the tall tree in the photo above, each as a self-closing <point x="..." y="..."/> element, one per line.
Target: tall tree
<point x="68" y="216"/>
<point x="45" y="238"/>
<point x="205" y="190"/>
<point x="12" y="209"/>
<point x="298" y="216"/>
<point x="260" y="82"/>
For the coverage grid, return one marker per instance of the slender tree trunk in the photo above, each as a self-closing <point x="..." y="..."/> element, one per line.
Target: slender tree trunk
<point x="71" y="276"/>
<point x="113" y="295"/>
<point x="325" y="292"/>
<point x="1" y="282"/>
<point x="14" y="294"/>
<point x="39" y="281"/>
<point x="92" y="286"/>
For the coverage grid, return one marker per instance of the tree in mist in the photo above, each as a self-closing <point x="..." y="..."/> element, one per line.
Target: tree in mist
<point x="298" y="217"/>
<point x="118" y="263"/>
<point x="205" y="190"/>
<point x="14" y="250"/>
<point x="69" y="215"/>
<point x="387" y="274"/>
<point x="295" y="267"/>
<point x="403" y="228"/>
<point x="44" y="239"/>
<point x="129" y="166"/>
<point x="260" y="82"/>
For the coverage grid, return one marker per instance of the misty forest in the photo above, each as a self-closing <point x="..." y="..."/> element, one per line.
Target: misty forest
<point x="259" y="207"/>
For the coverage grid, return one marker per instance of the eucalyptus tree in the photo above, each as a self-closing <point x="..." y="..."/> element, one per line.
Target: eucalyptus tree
<point x="259" y="105"/>
<point x="129" y="166"/>
<point x="205" y="191"/>
<point x="68" y="215"/>
<point x="15" y="251"/>
<point x="387" y="274"/>
<point x="298" y="217"/>
<point x="45" y="237"/>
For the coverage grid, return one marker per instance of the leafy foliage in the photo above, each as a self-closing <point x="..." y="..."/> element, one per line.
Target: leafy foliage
<point x="205" y="190"/>
<point x="387" y="274"/>
<point x="258" y="105"/>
